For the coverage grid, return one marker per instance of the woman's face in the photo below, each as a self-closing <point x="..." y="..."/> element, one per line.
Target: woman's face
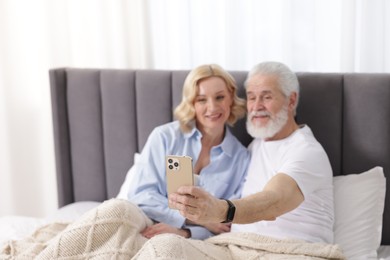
<point x="212" y="104"/>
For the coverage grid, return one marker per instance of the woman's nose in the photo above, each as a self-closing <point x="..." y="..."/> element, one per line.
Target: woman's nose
<point x="212" y="105"/>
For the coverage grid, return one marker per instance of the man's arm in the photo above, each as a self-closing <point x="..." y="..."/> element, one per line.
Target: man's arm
<point x="279" y="196"/>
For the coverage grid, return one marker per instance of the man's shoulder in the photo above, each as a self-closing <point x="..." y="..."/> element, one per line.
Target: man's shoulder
<point x="303" y="135"/>
<point x="305" y="144"/>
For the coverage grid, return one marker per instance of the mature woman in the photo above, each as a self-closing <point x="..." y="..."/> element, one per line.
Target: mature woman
<point x="209" y="103"/>
<point x="117" y="228"/>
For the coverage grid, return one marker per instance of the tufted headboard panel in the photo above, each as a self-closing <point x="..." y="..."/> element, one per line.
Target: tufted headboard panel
<point x="102" y="117"/>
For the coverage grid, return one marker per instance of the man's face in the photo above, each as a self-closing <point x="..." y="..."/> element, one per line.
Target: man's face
<point x="267" y="106"/>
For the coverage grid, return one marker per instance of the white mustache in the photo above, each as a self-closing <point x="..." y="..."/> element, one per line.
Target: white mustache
<point x="259" y="113"/>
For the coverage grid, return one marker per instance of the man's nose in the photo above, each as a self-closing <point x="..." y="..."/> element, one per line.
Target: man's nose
<point x="258" y="104"/>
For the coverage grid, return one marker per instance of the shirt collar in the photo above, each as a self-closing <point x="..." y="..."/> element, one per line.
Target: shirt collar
<point x="227" y="143"/>
<point x="193" y="133"/>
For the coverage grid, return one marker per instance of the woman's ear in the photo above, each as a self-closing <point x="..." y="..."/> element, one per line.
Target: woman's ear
<point x="231" y="98"/>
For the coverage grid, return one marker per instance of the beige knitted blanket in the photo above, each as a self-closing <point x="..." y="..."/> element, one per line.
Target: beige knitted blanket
<point x="232" y="246"/>
<point x="111" y="231"/>
<point x="253" y="246"/>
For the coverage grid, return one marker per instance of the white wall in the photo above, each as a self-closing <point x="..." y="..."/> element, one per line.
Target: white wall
<point x="308" y="35"/>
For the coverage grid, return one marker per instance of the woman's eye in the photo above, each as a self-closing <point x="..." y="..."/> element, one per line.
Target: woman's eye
<point x="201" y="100"/>
<point x="220" y="97"/>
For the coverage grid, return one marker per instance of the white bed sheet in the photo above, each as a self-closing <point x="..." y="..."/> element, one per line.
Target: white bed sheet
<point x="18" y="227"/>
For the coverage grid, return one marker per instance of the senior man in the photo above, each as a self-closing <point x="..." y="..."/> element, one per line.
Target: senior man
<point x="287" y="197"/>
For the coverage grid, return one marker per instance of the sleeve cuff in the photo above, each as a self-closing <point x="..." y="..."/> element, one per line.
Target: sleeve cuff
<point x="198" y="232"/>
<point x="176" y="219"/>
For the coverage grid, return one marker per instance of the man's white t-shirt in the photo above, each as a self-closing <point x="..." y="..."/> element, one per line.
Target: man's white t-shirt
<point x="303" y="158"/>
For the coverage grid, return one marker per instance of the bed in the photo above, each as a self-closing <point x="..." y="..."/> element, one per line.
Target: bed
<point x="102" y="118"/>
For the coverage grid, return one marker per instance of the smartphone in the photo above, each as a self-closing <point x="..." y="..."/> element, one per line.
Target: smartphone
<point x="179" y="172"/>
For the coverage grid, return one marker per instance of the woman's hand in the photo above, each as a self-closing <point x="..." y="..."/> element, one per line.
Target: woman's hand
<point x="198" y="205"/>
<point x="162" y="228"/>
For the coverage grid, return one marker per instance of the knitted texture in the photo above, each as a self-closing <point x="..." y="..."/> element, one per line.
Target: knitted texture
<point x="229" y="246"/>
<point x="110" y="231"/>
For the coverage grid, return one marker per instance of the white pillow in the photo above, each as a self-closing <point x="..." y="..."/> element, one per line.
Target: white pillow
<point x="359" y="204"/>
<point x="128" y="180"/>
<point x="72" y="211"/>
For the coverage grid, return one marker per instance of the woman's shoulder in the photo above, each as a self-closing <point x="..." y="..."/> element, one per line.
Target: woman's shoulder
<point x="165" y="134"/>
<point x="168" y="127"/>
<point x="171" y="129"/>
<point x="235" y="144"/>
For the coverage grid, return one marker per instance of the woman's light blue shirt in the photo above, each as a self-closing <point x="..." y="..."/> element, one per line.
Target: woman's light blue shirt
<point x="223" y="177"/>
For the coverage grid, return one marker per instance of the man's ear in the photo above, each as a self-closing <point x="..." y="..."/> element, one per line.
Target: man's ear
<point x="292" y="103"/>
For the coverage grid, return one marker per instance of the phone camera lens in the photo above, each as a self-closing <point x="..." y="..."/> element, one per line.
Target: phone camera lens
<point x="170" y="160"/>
<point x="170" y="167"/>
<point x="176" y="164"/>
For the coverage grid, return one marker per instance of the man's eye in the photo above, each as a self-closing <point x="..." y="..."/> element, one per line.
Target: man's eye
<point x="266" y="98"/>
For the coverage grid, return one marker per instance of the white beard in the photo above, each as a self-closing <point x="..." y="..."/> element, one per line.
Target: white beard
<point x="274" y="125"/>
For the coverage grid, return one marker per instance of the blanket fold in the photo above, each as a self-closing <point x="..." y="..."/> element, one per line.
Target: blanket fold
<point x="112" y="231"/>
<point x="233" y="246"/>
<point x="238" y="243"/>
<point x="105" y="232"/>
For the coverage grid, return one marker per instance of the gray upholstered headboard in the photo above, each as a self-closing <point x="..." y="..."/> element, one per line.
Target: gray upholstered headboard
<point x="102" y="117"/>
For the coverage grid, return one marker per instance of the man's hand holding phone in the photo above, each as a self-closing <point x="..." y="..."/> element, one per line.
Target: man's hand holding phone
<point x="178" y="172"/>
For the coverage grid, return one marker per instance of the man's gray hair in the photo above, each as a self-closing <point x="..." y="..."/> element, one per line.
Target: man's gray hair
<point x="287" y="79"/>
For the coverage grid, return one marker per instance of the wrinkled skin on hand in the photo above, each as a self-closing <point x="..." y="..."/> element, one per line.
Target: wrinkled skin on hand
<point x="198" y="205"/>
<point x="162" y="228"/>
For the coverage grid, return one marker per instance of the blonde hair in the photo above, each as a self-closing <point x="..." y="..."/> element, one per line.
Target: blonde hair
<point x="185" y="111"/>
